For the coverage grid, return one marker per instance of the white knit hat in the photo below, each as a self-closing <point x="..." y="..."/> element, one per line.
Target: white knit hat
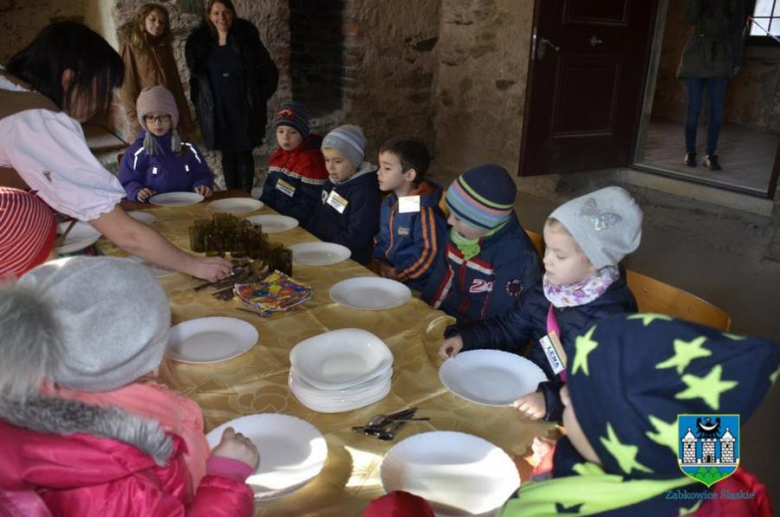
<point x="606" y="224"/>
<point x="111" y="317"/>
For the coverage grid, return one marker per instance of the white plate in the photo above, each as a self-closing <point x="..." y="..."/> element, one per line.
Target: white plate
<point x="156" y="270"/>
<point x="292" y="452"/>
<point x="236" y="205"/>
<point x="490" y="377"/>
<point x="81" y="236"/>
<point x="144" y="217"/>
<point x="274" y="223"/>
<point x="210" y="340"/>
<point x="338" y="405"/>
<point x="341" y="358"/>
<point x="457" y="473"/>
<point x="353" y="392"/>
<point x="176" y="199"/>
<point x="319" y="253"/>
<point x="370" y="293"/>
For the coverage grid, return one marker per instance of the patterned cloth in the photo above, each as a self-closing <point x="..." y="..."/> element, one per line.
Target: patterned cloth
<point x="27" y="231"/>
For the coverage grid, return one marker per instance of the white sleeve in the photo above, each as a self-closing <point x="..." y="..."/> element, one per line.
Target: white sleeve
<point x="50" y="153"/>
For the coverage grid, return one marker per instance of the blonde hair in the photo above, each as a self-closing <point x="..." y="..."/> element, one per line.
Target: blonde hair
<point x="134" y="31"/>
<point x="554" y="225"/>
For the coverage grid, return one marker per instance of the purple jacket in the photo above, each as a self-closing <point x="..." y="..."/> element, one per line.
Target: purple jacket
<point x="167" y="172"/>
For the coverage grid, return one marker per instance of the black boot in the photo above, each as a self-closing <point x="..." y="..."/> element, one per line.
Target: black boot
<point x="690" y="159"/>
<point x="711" y="162"/>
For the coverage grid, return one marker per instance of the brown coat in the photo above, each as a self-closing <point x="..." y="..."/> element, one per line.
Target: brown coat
<point x="152" y="66"/>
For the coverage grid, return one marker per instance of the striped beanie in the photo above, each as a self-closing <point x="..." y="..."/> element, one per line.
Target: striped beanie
<point x="27" y="231"/>
<point x="349" y="141"/>
<point x="294" y="115"/>
<point x="483" y="197"/>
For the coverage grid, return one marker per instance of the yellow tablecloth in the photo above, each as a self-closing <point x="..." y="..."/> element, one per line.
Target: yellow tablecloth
<point x="256" y="382"/>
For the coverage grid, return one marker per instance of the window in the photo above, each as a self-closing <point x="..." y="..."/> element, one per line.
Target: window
<point x="766" y="18"/>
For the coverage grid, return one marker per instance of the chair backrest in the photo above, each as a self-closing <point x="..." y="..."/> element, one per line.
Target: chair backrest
<point x="655" y="296"/>
<point x="538" y="241"/>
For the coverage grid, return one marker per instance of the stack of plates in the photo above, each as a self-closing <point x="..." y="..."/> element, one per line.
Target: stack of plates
<point x="340" y="371"/>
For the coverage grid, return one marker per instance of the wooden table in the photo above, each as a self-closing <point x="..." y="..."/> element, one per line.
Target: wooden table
<point x="256" y="382"/>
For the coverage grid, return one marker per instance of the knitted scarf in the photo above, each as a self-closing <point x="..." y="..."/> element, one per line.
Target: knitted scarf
<point x="581" y="293"/>
<point x="471" y="247"/>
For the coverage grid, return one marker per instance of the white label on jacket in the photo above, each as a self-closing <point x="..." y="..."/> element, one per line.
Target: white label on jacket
<point x="337" y="202"/>
<point x="551" y="352"/>
<point x="285" y="188"/>
<point x="408" y="204"/>
<point x="154" y="171"/>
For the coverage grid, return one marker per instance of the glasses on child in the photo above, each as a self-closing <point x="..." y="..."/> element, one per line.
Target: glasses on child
<point x="157" y="118"/>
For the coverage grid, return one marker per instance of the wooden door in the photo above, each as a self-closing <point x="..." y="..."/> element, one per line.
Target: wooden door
<point x="587" y="72"/>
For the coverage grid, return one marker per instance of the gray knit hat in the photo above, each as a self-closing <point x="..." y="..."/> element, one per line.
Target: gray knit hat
<point x="110" y="316"/>
<point x="349" y="141"/>
<point x="606" y="224"/>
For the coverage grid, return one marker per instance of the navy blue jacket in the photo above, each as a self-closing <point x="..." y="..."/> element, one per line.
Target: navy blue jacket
<point x="167" y="172"/>
<point x="412" y="242"/>
<point x="489" y="283"/>
<point x="528" y="321"/>
<point x="356" y="226"/>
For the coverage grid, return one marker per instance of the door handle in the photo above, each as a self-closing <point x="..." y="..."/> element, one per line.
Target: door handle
<point x="542" y="50"/>
<point x="595" y="42"/>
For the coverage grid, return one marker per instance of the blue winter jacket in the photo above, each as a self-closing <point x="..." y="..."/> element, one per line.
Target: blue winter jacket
<point x="412" y="241"/>
<point x="489" y="283"/>
<point x="528" y="321"/>
<point x="355" y="226"/>
<point x="166" y="172"/>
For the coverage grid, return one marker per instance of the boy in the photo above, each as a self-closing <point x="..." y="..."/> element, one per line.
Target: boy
<point x="489" y="260"/>
<point x="296" y="171"/>
<point x="348" y="210"/>
<point x="412" y="226"/>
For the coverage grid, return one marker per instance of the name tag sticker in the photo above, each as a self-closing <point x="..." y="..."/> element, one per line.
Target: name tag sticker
<point x="337" y="202"/>
<point x="554" y="352"/>
<point x="285" y="188"/>
<point x="409" y="204"/>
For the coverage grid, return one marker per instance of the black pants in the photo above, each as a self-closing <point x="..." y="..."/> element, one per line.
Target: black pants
<point x="239" y="170"/>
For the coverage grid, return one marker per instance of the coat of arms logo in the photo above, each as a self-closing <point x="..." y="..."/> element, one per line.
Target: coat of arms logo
<point x="708" y="446"/>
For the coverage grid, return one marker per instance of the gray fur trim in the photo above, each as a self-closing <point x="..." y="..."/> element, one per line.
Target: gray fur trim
<point x="151" y="145"/>
<point x="175" y="141"/>
<point x="50" y="415"/>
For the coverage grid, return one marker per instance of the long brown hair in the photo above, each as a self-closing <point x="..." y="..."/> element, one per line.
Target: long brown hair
<point x="226" y="3"/>
<point x="134" y="31"/>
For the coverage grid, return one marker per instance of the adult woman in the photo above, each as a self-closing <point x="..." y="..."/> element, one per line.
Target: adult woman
<point x="231" y="78"/>
<point x="148" y="56"/>
<point x="710" y="58"/>
<point x="66" y="76"/>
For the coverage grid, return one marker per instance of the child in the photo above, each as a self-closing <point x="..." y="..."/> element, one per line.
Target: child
<point x="631" y="378"/>
<point x="489" y="259"/>
<point x="586" y="239"/>
<point x="412" y="226"/>
<point x="157" y="162"/>
<point x="296" y="171"/>
<point x="27" y="232"/>
<point x="82" y="430"/>
<point x="348" y="211"/>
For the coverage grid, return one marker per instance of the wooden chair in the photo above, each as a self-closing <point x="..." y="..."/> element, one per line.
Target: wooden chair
<point x="655" y="296"/>
<point x="538" y="241"/>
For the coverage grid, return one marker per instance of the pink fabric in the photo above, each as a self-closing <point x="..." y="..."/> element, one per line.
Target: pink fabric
<point x="177" y="414"/>
<point x="25" y="503"/>
<point x="228" y="468"/>
<point x="399" y="504"/>
<point x="552" y="326"/>
<point x="741" y="481"/>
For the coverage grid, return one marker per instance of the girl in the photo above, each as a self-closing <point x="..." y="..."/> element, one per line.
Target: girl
<point x="586" y="239"/>
<point x="231" y="78"/>
<point x="146" y="49"/>
<point x="66" y="76"/>
<point x="83" y="430"/>
<point x="157" y="162"/>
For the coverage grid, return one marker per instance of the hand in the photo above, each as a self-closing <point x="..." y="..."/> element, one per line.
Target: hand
<point x="203" y="190"/>
<point x="451" y="347"/>
<point x="531" y="405"/>
<point x="212" y="269"/>
<point x="541" y="447"/>
<point x="387" y="270"/>
<point x="144" y="194"/>
<point x="236" y="446"/>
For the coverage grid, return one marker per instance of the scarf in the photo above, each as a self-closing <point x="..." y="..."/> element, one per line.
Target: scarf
<point x="581" y="293"/>
<point x="471" y="247"/>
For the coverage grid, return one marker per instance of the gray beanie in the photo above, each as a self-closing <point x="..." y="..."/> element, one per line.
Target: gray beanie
<point x="111" y="316"/>
<point x="349" y="141"/>
<point x="606" y="224"/>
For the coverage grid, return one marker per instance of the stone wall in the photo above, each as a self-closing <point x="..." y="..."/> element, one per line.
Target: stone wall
<point x="23" y="19"/>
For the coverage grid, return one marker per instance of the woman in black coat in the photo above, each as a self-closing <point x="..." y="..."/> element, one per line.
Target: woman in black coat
<point x="231" y="78"/>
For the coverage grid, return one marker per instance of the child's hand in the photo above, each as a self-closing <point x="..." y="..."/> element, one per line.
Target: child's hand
<point x="144" y="194"/>
<point x="203" y="190"/>
<point x="541" y="447"/>
<point x="236" y="446"/>
<point x="387" y="270"/>
<point x="531" y="405"/>
<point x="451" y="347"/>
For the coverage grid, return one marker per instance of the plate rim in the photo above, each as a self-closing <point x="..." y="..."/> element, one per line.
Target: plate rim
<point x="407" y="297"/>
<point x="193" y="194"/>
<point x="169" y="353"/>
<point x="332" y="245"/>
<point x="78" y="245"/>
<point x="248" y="199"/>
<point x="279" y="216"/>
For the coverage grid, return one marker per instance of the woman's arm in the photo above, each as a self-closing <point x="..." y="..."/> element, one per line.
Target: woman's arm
<point x="141" y="240"/>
